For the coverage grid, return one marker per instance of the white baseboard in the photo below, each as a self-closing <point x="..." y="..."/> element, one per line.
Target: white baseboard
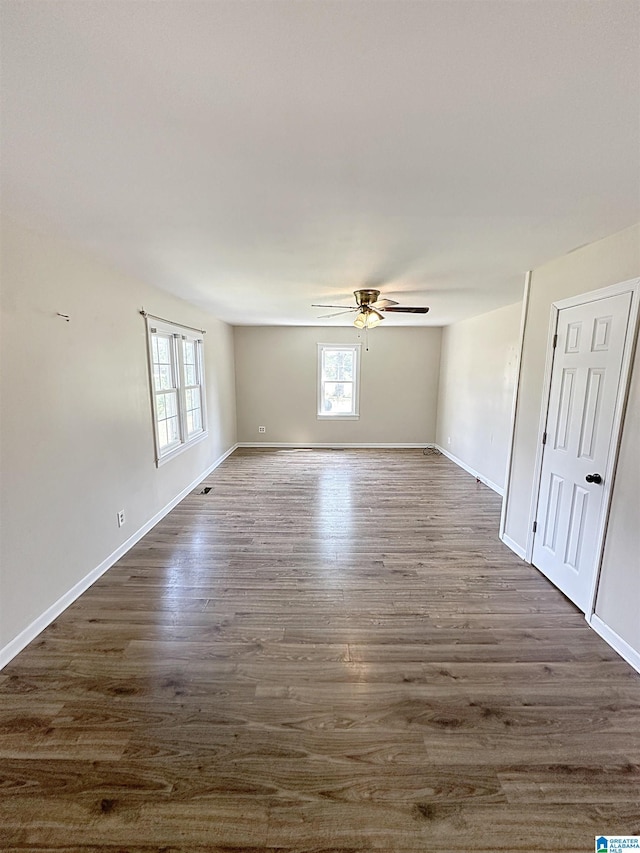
<point x="38" y="625"/>
<point x="335" y="444"/>
<point x="471" y="470"/>
<point x="517" y="549"/>
<point x="616" y="642"/>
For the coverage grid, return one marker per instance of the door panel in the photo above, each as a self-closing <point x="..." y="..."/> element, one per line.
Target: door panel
<point x="565" y="406"/>
<point x="554" y="501"/>
<point x="591" y="413"/>
<point x="584" y="386"/>
<point x="575" y="529"/>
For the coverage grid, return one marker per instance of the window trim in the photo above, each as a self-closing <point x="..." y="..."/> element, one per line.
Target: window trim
<point x="178" y="333"/>
<point x="354" y="415"/>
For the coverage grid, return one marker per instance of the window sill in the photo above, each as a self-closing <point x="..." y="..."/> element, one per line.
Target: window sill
<point x="338" y="417"/>
<point x="181" y="449"/>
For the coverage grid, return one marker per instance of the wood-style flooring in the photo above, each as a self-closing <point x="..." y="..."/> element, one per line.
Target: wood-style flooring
<point x="329" y="651"/>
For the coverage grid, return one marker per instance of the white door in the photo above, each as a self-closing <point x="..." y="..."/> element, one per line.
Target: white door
<point x="585" y="382"/>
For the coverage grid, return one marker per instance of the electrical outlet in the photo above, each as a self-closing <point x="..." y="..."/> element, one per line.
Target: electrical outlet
<point x="448" y="439"/>
<point x="120" y="518"/>
<point x="262" y="429"/>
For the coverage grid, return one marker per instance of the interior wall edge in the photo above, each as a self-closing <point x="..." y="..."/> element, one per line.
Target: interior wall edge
<point x="515" y="404"/>
<point x="518" y="550"/>
<point x="28" y="634"/>
<point x="478" y="373"/>
<point x="616" y="642"/>
<point x="496" y="488"/>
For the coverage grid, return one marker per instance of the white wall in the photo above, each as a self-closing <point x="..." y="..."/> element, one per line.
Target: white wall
<point x="612" y="260"/>
<point x="276" y="385"/>
<point x="76" y="430"/>
<point x="618" y="601"/>
<point x="477" y="379"/>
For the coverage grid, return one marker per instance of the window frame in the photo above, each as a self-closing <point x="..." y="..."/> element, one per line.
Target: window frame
<point x="178" y="335"/>
<point x="354" y="415"/>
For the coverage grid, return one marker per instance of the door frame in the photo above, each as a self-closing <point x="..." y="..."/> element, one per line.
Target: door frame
<point x="631" y="286"/>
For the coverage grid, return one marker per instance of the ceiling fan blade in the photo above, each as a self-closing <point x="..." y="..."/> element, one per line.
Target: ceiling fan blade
<point x="384" y="303"/>
<point x="344" y="307"/>
<point x="337" y="313"/>
<point x="401" y="309"/>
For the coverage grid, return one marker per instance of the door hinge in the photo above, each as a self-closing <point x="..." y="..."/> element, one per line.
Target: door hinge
<point x="544" y="438"/>
<point x="535" y="526"/>
<point x="555" y="341"/>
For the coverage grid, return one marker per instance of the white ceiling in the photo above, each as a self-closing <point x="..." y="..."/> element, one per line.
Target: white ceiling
<point x="255" y="157"/>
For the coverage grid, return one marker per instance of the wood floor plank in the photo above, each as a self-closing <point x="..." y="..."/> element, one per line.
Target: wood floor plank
<point x="327" y="653"/>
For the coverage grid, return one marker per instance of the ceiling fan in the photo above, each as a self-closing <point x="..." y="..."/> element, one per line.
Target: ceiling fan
<point x="370" y="309"/>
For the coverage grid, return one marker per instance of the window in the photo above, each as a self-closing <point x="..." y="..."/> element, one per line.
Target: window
<point x="177" y="380"/>
<point x="338" y="380"/>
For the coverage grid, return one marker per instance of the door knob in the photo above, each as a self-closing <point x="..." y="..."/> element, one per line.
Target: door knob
<point x="593" y="478"/>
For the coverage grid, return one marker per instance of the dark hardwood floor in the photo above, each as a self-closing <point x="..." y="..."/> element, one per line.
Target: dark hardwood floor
<point x="330" y="651"/>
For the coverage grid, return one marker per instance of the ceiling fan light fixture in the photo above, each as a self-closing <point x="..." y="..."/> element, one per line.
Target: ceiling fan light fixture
<point x="374" y="318"/>
<point x="361" y="320"/>
<point x="367" y="318"/>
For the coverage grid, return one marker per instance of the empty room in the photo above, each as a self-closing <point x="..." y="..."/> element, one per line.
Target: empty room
<point x="319" y="426"/>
